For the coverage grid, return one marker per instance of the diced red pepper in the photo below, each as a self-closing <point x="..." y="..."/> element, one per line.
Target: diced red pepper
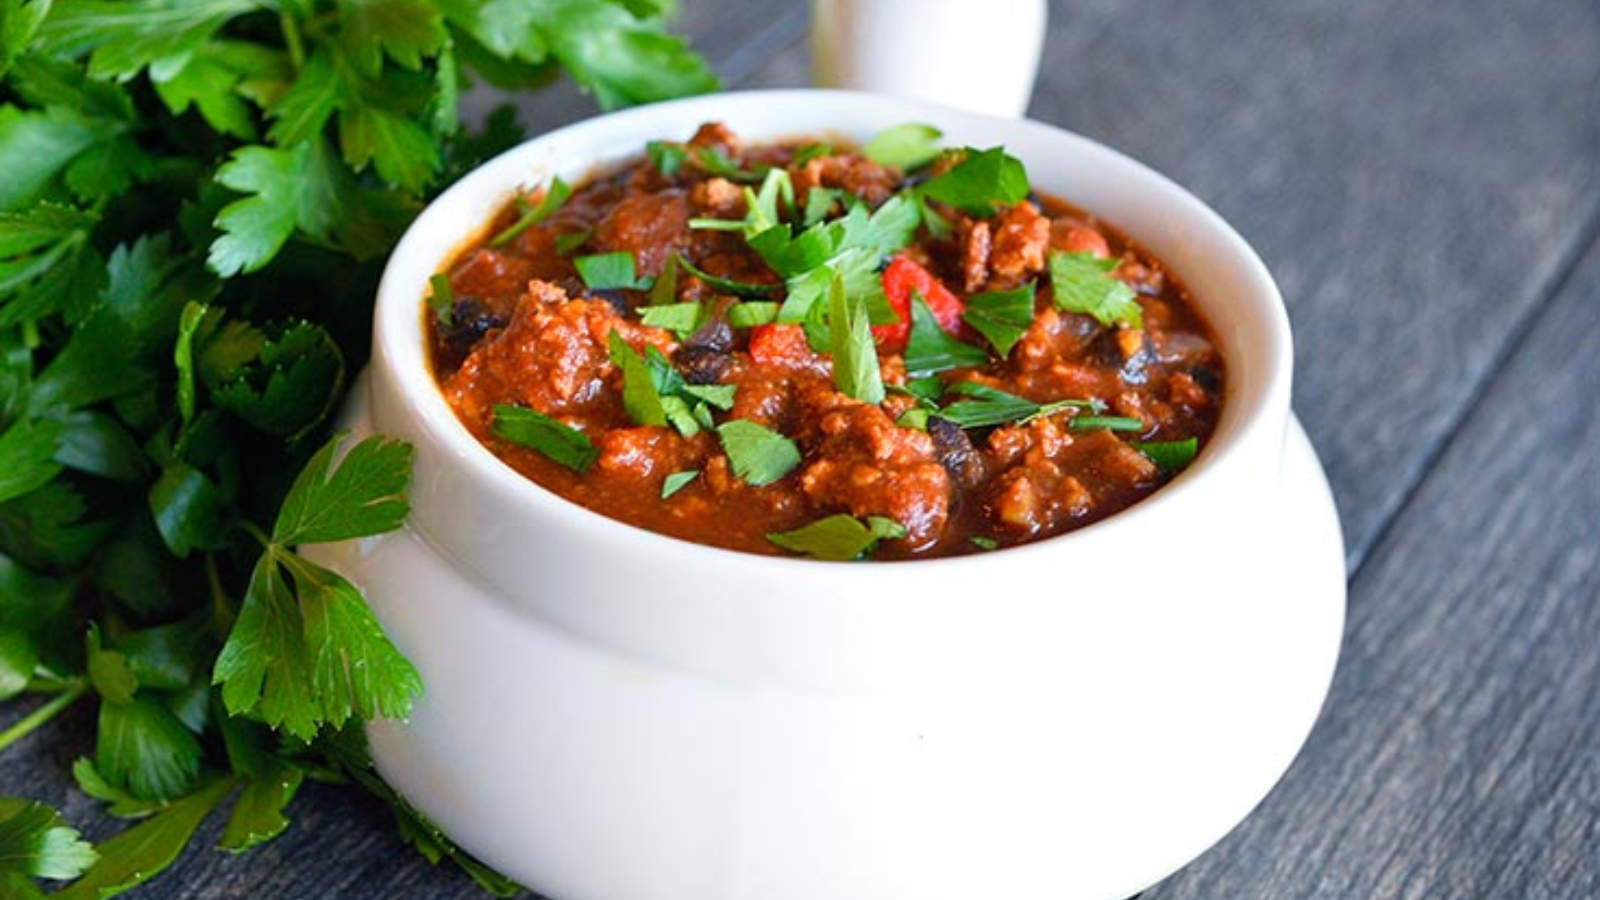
<point x="900" y="280"/>
<point x="779" y="345"/>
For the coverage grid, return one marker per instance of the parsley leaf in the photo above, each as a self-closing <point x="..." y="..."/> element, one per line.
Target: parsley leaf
<point x="1110" y="423"/>
<point x="992" y="406"/>
<point x="676" y="482"/>
<point x="855" y="357"/>
<point x="757" y="454"/>
<point x="551" y="438"/>
<point x="929" y="349"/>
<point x="313" y="656"/>
<point x="981" y="183"/>
<point x="641" y="396"/>
<point x="549" y="201"/>
<point x="1001" y="316"/>
<point x="133" y="856"/>
<point x="609" y="271"/>
<point x="36" y="842"/>
<point x="906" y="147"/>
<point x="1082" y="283"/>
<point x="1169" y="456"/>
<point x="839" y="537"/>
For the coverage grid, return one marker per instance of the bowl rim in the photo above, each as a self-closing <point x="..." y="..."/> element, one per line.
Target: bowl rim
<point x="399" y="340"/>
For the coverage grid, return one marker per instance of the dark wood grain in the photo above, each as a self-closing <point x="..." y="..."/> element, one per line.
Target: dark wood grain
<point x="1459" y="753"/>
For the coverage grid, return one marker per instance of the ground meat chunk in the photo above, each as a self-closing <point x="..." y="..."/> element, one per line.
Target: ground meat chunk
<point x="492" y="276"/>
<point x="866" y="465"/>
<point x="646" y="451"/>
<point x="1073" y="235"/>
<point x="849" y="172"/>
<point x="1021" y="237"/>
<point x="718" y="198"/>
<point x="977" y="242"/>
<point x="553" y="355"/>
<point x="650" y="226"/>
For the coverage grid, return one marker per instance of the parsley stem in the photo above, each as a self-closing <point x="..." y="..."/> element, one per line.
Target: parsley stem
<point x="255" y="531"/>
<point x="292" y="41"/>
<point x="27" y="724"/>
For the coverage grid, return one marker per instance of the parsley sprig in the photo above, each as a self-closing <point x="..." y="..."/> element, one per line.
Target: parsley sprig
<point x="197" y="200"/>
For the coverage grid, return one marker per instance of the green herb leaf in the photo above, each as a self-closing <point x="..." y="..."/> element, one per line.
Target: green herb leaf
<point x="679" y="318"/>
<point x="1170" y="456"/>
<point x="839" y="537"/>
<point x="676" y="482"/>
<point x="641" y="399"/>
<point x="609" y="271"/>
<point x="993" y="406"/>
<point x="983" y="543"/>
<point x="665" y="291"/>
<point x="855" y="358"/>
<point x="363" y="496"/>
<point x="1082" y="283"/>
<point x="141" y="745"/>
<point x="1002" y="317"/>
<point x="751" y="313"/>
<point x="552" y="438"/>
<point x="737" y="288"/>
<point x="1110" y="423"/>
<point x="441" y="299"/>
<point x="907" y="147"/>
<point x="620" y="59"/>
<point x="667" y="157"/>
<point x="550" y="201"/>
<point x="36" y="842"/>
<point x="981" y="183"/>
<point x="758" y="455"/>
<point x="929" y="349"/>
<point x="137" y="854"/>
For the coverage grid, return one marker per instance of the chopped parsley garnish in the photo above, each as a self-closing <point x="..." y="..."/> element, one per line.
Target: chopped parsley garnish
<point x="1002" y="317"/>
<point x="610" y="271"/>
<point x="532" y="214"/>
<point x="981" y="183"/>
<point x="757" y="454"/>
<point x="983" y="543"/>
<point x="1082" y="283"/>
<point x="992" y="406"/>
<point x="679" y="318"/>
<point x="929" y="349"/>
<point x="752" y="313"/>
<point x="641" y="389"/>
<point x="1169" y="456"/>
<point x="666" y="156"/>
<point x="441" y="300"/>
<point x="839" y="537"/>
<point x="677" y="481"/>
<point x="855" y="357"/>
<point x="906" y="147"/>
<point x="1110" y="423"/>
<point x="572" y="241"/>
<point x="549" y="437"/>
<point x="728" y="285"/>
<point x="809" y="152"/>
<point x="665" y="291"/>
<point x="653" y="393"/>
<point x="715" y="162"/>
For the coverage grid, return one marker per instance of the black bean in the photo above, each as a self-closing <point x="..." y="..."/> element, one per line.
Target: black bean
<point x="702" y="365"/>
<point x="470" y="320"/>
<point x="955" y="451"/>
<point x="714" y="335"/>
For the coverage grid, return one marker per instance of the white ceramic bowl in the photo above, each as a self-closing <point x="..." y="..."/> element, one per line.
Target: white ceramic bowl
<point x="616" y="715"/>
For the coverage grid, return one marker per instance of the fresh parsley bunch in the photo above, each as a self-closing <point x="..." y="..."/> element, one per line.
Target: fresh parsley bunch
<point x="195" y="200"/>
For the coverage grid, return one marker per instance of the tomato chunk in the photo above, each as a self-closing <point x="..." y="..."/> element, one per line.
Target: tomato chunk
<point x="901" y="279"/>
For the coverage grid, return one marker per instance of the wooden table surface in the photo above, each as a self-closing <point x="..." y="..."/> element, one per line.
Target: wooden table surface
<point x="1423" y="179"/>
